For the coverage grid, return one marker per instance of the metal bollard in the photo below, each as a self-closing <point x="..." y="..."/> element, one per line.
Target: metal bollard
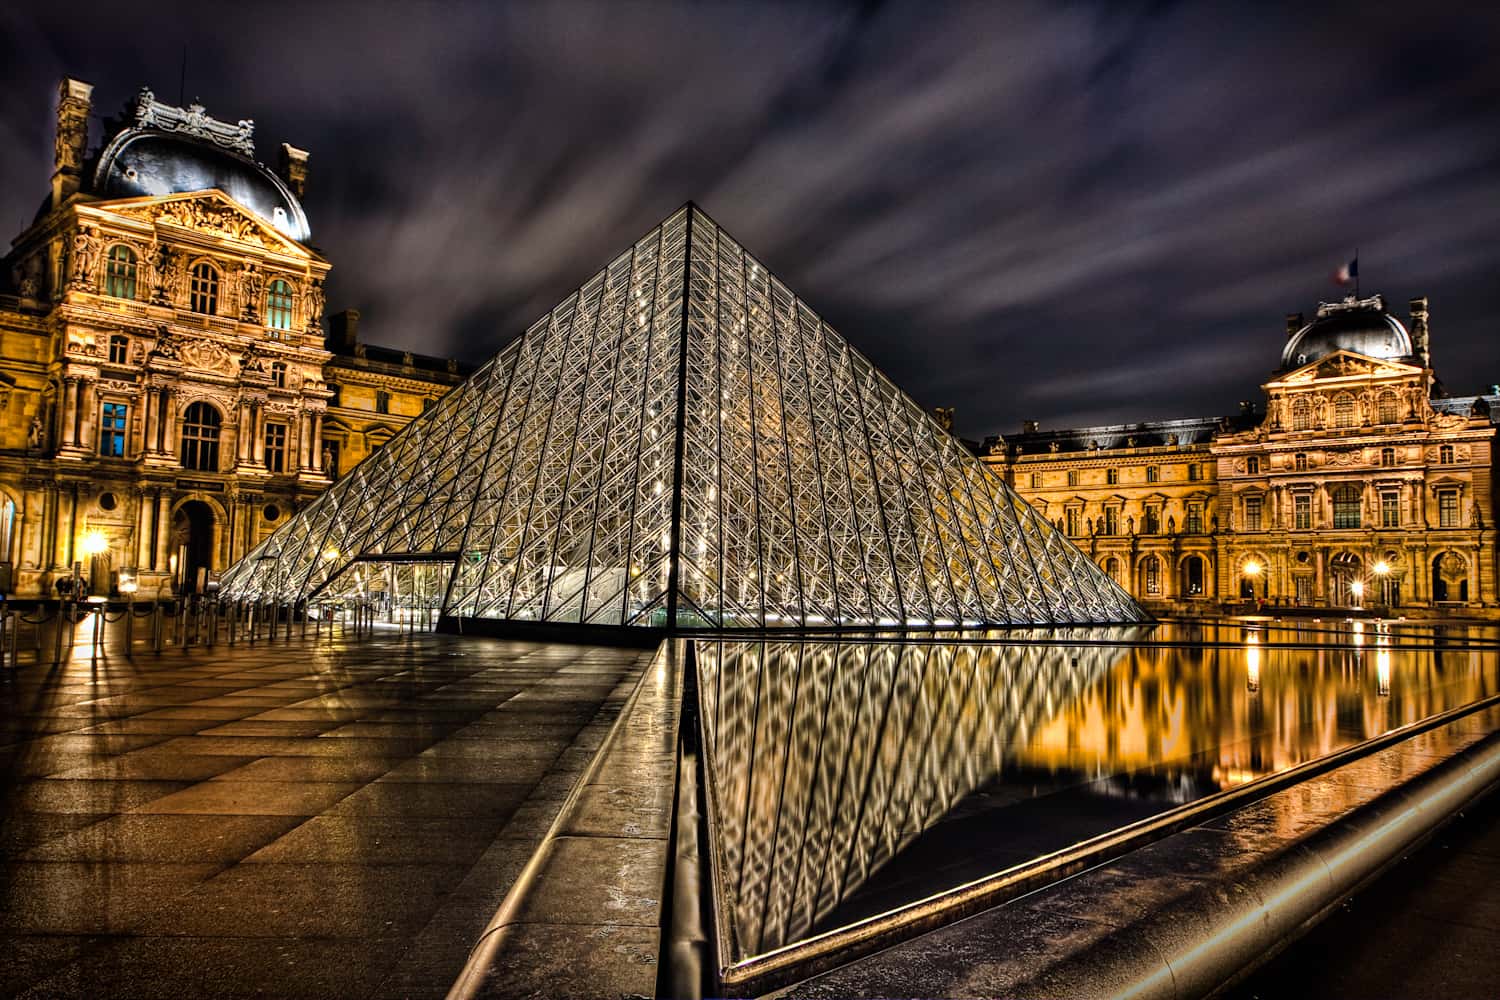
<point x="158" y="627"/>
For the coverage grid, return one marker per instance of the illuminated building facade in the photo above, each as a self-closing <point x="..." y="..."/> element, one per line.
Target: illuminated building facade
<point x="168" y="395"/>
<point x="1357" y="484"/>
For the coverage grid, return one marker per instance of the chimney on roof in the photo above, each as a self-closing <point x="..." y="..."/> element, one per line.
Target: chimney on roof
<point x="343" y="331"/>
<point x="1294" y="322"/>
<point x="74" y="98"/>
<point x="292" y="168"/>
<point x="1419" y="342"/>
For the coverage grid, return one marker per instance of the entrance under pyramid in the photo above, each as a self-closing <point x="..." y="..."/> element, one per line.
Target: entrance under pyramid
<point x="681" y="443"/>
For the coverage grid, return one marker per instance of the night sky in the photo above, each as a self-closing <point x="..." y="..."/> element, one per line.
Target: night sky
<point x="1071" y="212"/>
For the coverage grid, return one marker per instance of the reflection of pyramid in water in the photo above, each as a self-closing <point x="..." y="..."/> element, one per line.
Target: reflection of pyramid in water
<point x="690" y="445"/>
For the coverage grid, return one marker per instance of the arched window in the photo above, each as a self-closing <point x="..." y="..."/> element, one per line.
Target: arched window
<point x="1389" y="408"/>
<point x="1301" y="414"/>
<point x="200" y="437"/>
<point x="119" y="272"/>
<point x="7" y="527"/>
<point x="278" y="374"/>
<point x="279" y="305"/>
<point x="1343" y="411"/>
<point x="1112" y="567"/>
<point x="1151" y="575"/>
<point x="203" y="292"/>
<point x="1346" y="506"/>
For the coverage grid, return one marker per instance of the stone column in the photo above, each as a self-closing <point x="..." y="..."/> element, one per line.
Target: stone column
<point x="88" y="421"/>
<point x="149" y="420"/>
<point x="242" y="431"/>
<point x="70" y="411"/>
<point x="164" y="422"/>
<point x="163" y="522"/>
<point x="304" y="441"/>
<point x="145" y="507"/>
<point x="316" y="462"/>
<point x="258" y="441"/>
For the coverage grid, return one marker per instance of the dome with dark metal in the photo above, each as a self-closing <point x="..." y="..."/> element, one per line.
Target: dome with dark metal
<point x="167" y="150"/>
<point x="1361" y="326"/>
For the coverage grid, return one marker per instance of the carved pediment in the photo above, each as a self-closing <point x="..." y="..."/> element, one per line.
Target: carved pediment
<point x="210" y="212"/>
<point x="1346" y="364"/>
<point x="205" y="355"/>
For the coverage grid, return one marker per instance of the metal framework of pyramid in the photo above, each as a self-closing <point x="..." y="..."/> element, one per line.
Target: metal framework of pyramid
<point x="682" y="442"/>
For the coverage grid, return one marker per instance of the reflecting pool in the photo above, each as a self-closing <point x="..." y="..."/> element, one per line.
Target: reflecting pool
<point x="848" y="777"/>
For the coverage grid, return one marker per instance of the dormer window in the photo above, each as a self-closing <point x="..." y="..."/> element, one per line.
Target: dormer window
<point x="279" y="305"/>
<point x="203" y="291"/>
<point x="1389" y="408"/>
<point x="1343" y="411"/>
<point x="1301" y="414"/>
<point x="278" y="374"/>
<point x="119" y="272"/>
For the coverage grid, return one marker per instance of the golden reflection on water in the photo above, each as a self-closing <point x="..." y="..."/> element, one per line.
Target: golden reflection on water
<point x="828" y="760"/>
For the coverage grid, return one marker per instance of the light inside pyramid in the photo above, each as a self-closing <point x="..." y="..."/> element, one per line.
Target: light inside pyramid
<point x="683" y="443"/>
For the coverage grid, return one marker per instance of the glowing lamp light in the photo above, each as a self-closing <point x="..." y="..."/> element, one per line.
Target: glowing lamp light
<point x="94" y="544"/>
<point x="1357" y="588"/>
<point x="330" y="554"/>
<point x="1382" y="568"/>
<point x="1252" y="568"/>
<point x="128" y="585"/>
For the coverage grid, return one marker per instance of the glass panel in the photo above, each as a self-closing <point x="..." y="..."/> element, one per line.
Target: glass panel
<point x="845" y="779"/>
<point x="682" y="435"/>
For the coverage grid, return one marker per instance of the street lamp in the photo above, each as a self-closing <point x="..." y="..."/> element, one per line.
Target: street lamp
<point x="1383" y="571"/>
<point x="1357" y="588"/>
<point x="1252" y="571"/>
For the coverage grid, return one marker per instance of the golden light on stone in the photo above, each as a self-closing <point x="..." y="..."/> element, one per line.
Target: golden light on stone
<point x="94" y="544"/>
<point x="1252" y="568"/>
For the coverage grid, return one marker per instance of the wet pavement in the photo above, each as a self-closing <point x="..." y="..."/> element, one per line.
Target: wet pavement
<point x="296" y="819"/>
<point x="1425" y="929"/>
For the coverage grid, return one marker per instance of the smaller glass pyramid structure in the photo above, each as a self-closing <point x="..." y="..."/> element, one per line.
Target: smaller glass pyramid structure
<point x="683" y="443"/>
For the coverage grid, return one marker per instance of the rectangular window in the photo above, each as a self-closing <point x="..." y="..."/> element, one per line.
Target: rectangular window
<point x="276" y="447"/>
<point x="1194" y="522"/>
<point x="1111" y="521"/>
<point x="1036" y="480"/>
<point x="1445" y="455"/>
<point x="1073" y="522"/>
<point x="1153" y="473"/>
<point x="1072" y="477"/>
<point x="1302" y="512"/>
<point x="1195" y="472"/>
<point x="382" y="401"/>
<point x="1390" y="510"/>
<point x="1151" y="521"/>
<point x="1112" y="476"/>
<point x="1252" y="513"/>
<point x="1299" y="461"/>
<point x="112" y="430"/>
<point x="1388" y="456"/>
<point x="1252" y="465"/>
<point x="1448" y="509"/>
<point x="119" y="349"/>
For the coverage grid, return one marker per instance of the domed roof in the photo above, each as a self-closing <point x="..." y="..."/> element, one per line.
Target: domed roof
<point x="169" y="150"/>
<point x="1358" y="325"/>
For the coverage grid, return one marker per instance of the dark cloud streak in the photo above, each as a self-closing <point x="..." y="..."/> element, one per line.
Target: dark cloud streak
<point x="1065" y="212"/>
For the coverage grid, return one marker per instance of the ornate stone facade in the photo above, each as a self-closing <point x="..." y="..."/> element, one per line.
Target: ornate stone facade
<point x="168" y="394"/>
<point x="1358" y="484"/>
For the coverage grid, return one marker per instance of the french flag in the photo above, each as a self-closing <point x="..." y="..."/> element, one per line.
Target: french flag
<point x="1348" y="274"/>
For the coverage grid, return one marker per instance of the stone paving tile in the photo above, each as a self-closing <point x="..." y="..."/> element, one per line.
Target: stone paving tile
<point x="302" y="819"/>
<point x="167" y="839"/>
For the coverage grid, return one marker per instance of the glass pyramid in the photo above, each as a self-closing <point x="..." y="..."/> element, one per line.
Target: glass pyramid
<point x="683" y="442"/>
